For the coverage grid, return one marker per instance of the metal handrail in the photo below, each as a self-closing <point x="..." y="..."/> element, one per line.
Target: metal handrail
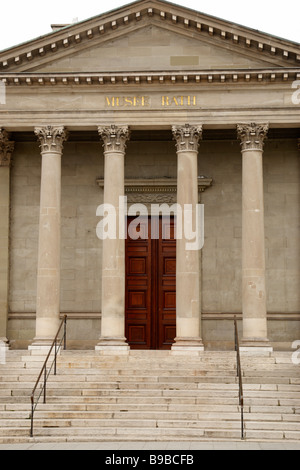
<point x="239" y="375"/>
<point x="46" y="372"/>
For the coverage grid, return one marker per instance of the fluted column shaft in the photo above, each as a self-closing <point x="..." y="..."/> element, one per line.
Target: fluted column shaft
<point x="188" y="318"/>
<point x="48" y="277"/>
<point x="6" y="150"/>
<point x="255" y="334"/>
<point x="113" y="262"/>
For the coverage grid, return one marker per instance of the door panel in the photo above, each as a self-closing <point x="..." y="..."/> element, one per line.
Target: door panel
<point x="151" y="287"/>
<point x="138" y="290"/>
<point x="167" y="284"/>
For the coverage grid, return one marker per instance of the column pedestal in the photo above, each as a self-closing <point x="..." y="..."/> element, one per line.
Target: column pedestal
<point x="255" y="337"/>
<point x="48" y="277"/>
<point x="188" y="317"/>
<point x="112" y="339"/>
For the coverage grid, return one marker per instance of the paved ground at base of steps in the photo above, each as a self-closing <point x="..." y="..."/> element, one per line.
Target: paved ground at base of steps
<point x="154" y="446"/>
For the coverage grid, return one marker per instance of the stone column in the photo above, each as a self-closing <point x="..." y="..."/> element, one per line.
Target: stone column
<point x="188" y="317"/>
<point x="255" y="335"/>
<point x="113" y="262"/>
<point x="6" y="150"/>
<point x="48" y="275"/>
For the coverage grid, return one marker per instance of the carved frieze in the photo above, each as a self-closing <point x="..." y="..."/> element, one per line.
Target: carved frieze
<point x="51" y="138"/>
<point x="187" y="137"/>
<point x="156" y="191"/>
<point x="6" y="148"/>
<point x="114" y="138"/>
<point x="252" y="136"/>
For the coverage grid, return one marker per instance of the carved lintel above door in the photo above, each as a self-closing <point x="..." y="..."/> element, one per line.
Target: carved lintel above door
<point x="156" y="191"/>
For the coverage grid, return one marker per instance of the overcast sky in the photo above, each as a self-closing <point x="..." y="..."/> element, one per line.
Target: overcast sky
<point x="22" y="20"/>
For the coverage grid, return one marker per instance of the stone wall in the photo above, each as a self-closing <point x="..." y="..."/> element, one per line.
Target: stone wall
<point x="221" y="256"/>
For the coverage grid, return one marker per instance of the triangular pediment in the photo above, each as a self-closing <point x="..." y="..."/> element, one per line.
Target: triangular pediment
<point x="148" y="36"/>
<point x="151" y="48"/>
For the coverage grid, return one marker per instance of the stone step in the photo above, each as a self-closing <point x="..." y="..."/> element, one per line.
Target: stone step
<point x="13" y="388"/>
<point x="263" y="380"/>
<point x="105" y="414"/>
<point x="119" y="423"/>
<point x="202" y="411"/>
<point x="125" y="403"/>
<point x="124" y="433"/>
<point x="288" y="436"/>
<point x="163" y="398"/>
<point x="114" y="392"/>
<point x="186" y="390"/>
<point x="157" y="384"/>
<point x="129" y="396"/>
<point x="270" y="373"/>
<point x="252" y="421"/>
<point x="141" y="434"/>
<point x="275" y="409"/>
<point x="14" y="410"/>
<point x="81" y="369"/>
<point x="30" y="380"/>
<point x="104" y="422"/>
<point x="276" y="426"/>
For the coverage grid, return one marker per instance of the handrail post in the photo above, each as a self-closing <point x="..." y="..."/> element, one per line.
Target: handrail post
<point x="65" y="332"/>
<point x="242" y="418"/>
<point x="45" y="384"/>
<point x="32" y="411"/>
<point x="55" y="356"/>
<point x="239" y="375"/>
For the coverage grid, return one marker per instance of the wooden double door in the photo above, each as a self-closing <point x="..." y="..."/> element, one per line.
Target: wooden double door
<point x="151" y="283"/>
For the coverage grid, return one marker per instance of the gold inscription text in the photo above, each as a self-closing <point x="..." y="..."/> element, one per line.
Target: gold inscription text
<point x="127" y="101"/>
<point x="179" y="101"/>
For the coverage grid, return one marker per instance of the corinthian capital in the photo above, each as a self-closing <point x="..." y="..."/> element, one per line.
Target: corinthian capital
<point x="6" y="148"/>
<point x="51" y="138"/>
<point x="252" y="136"/>
<point x="114" y="138"/>
<point x="187" y="137"/>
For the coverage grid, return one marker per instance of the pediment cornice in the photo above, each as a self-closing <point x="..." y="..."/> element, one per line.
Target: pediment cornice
<point x="26" y="57"/>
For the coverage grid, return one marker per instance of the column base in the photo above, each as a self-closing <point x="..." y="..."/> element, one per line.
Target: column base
<point x="40" y="344"/>
<point x="187" y="346"/>
<point x="4" y="347"/>
<point x="256" y="345"/>
<point x="112" y="346"/>
<point x="4" y="342"/>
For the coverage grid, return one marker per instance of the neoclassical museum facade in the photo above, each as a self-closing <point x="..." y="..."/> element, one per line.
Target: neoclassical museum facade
<point x="162" y="105"/>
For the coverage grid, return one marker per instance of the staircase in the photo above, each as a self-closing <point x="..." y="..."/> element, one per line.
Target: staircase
<point x="151" y="396"/>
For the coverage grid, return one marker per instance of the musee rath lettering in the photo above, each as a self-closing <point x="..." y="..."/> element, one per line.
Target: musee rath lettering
<point x="142" y="101"/>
